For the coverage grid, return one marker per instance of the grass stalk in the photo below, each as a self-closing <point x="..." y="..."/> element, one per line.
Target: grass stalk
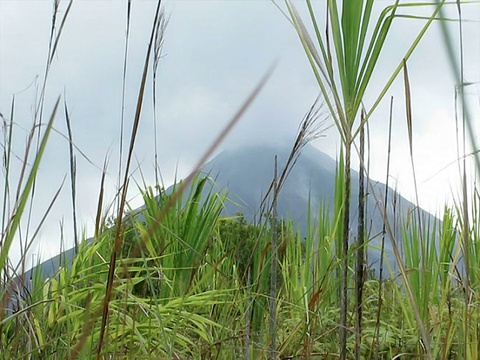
<point x="273" y="270"/>
<point x="118" y="237"/>
<point x="14" y="221"/>
<point x="360" y="261"/>
<point x="344" y="255"/>
<point x="124" y="83"/>
<point x="73" y="171"/>
<point x="382" y="246"/>
<point x="465" y="215"/>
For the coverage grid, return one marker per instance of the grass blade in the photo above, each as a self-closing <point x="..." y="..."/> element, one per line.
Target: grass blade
<point x="118" y="236"/>
<point x="14" y="221"/>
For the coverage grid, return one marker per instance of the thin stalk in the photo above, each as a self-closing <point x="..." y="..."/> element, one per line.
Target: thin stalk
<point x="423" y="254"/>
<point x="360" y="263"/>
<point x="466" y="225"/>
<point x="459" y="78"/>
<point x="273" y="270"/>
<point x="73" y="171"/>
<point x="408" y="105"/>
<point x="310" y="128"/>
<point x="118" y="236"/>
<point x="344" y="261"/>
<point x="124" y="83"/>
<point x="14" y="221"/>
<point x="382" y="249"/>
<point x="248" y="317"/>
<point x="157" y="51"/>
<point x="38" y="114"/>
<point x="7" y="153"/>
<point x="98" y="217"/>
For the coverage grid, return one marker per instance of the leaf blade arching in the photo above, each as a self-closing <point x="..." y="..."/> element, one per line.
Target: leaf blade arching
<point x="408" y="106"/>
<point x="14" y="222"/>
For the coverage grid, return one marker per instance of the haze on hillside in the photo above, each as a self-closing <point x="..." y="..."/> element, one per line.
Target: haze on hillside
<point x="244" y="175"/>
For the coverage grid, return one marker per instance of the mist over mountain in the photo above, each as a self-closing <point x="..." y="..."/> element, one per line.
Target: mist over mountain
<point x="246" y="173"/>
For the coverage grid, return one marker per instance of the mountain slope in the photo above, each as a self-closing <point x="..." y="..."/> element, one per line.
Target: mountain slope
<point x="246" y="174"/>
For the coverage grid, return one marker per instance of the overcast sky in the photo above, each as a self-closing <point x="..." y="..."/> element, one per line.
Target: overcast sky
<point x="214" y="54"/>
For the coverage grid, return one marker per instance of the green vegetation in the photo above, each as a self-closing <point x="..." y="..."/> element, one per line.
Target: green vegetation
<point x="199" y="288"/>
<point x="179" y="281"/>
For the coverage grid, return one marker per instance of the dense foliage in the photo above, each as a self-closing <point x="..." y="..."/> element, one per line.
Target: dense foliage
<point x="203" y="292"/>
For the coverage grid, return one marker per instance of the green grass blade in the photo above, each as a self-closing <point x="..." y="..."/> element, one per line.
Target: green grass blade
<point x="14" y="222"/>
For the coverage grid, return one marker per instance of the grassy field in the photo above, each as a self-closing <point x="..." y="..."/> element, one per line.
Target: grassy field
<point x="188" y="283"/>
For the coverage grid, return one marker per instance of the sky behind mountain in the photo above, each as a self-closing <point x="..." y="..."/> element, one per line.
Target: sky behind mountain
<point x="214" y="53"/>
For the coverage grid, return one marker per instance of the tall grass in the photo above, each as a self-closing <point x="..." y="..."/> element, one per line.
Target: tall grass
<point x="176" y="279"/>
<point x="343" y="64"/>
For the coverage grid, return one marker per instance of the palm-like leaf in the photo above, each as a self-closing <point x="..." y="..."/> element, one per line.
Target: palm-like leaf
<point x="345" y="76"/>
